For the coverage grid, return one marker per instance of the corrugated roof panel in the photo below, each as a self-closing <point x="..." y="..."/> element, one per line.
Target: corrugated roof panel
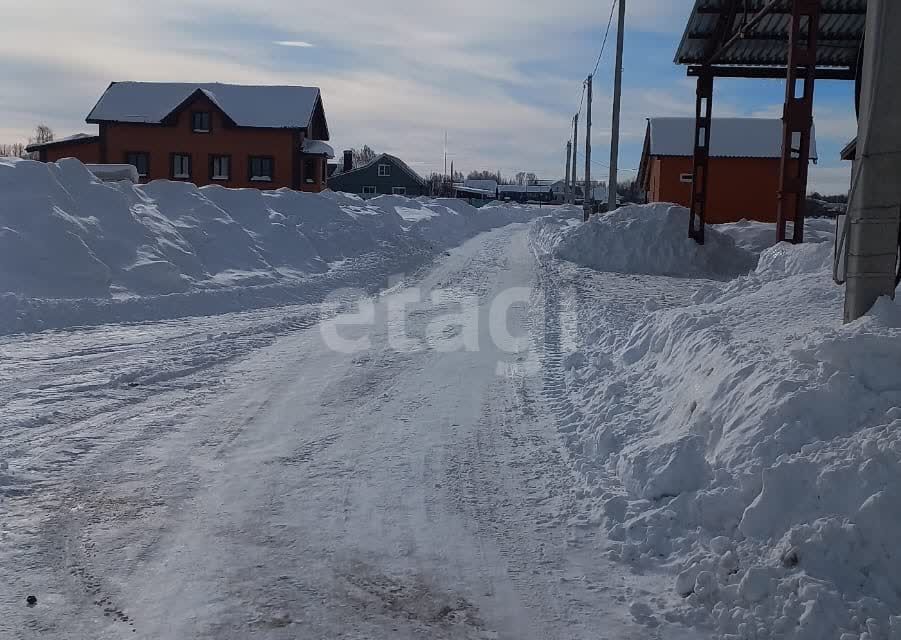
<point x="841" y="28"/>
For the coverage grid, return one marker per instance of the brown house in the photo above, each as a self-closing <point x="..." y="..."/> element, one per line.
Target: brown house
<point x="237" y="136"/>
<point x="745" y="154"/>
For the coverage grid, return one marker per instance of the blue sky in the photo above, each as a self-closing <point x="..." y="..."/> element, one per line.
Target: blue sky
<point x="503" y="77"/>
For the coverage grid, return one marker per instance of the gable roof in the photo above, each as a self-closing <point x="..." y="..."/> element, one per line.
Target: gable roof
<point x="382" y="158"/>
<point x="277" y="107"/>
<point x="729" y="137"/>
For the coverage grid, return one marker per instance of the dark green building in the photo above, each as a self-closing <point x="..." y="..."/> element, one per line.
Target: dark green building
<point x="385" y="175"/>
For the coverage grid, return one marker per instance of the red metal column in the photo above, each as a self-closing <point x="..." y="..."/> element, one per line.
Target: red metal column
<point x="703" y="112"/>
<point x="797" y="117"/>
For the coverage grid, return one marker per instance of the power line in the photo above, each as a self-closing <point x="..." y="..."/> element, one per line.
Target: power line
<point x="600" y="53"/>
<point x="606" y="34"/>
<point x="603" y="164"/>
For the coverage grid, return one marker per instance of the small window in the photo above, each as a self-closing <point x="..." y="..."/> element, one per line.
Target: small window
<point x="261" y="168"/>
<point x="140" y="160"/>
<point x="309" y="170"/>
<point x="399" y="191"/>
<point x="200" y="121"/>
<point x="384" y="170"/>
<point x="686" y="177"/>
<point x="369" y="191"/>
<point x="220" y="168"/>
<point x="181" y="166"/>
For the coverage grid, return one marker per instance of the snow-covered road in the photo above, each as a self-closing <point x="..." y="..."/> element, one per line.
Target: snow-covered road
<point x="234" y="477"/>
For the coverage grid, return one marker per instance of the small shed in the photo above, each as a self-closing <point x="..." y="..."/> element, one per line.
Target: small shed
<point x="744" y="164"/>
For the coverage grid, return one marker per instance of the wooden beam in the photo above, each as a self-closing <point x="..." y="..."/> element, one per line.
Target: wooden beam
<point x="773" y="73"/>
<point x="787" y="11"/>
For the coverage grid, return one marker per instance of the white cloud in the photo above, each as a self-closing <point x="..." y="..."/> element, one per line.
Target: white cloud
<point x="294" y="43"/>
<point x="395" y="75"/>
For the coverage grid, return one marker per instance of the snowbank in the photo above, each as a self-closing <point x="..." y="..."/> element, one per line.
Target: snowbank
<point x="75" y="250"/>
<point x="757" y="442"/>
<point x="758" y="236"/>
<point x="646" y="239"/>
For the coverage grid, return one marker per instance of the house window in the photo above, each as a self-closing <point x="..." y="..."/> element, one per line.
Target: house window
<point x="309" y="170"/>
<point x="220" y="167"/>
<point x="399" y="191"/>
<point x="261" y="168"/>
<point x="384" y="170"/>
<point x="686" y="177"/>
<point x="181" y="166"/>
<point x="200" y="121"/>
<point x="369" y="191"/>
<point x="140" y="160"/>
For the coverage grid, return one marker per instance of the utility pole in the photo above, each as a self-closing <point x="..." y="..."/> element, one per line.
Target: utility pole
<point x="617" y="96"/>
<point x="445" y="155"/>
<point x="569" y="150"/>
<point x="572" y="189"/>
<point x="589" y="192"/>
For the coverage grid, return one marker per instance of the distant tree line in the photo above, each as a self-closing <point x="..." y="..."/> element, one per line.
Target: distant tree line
<point x="42" y="133"/>
<point x="841" y="198"/>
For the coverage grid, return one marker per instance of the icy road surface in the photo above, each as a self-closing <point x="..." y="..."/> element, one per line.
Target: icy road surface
<point x="233" y="477"/>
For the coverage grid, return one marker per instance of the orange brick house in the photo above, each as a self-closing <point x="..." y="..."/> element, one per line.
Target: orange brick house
<point x="745" y="156"/>
<point x="237" y="136"/>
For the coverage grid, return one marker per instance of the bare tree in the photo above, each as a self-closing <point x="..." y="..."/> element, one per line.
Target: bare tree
<point x="363" y="156"/>
<point x="521" y="178"/>
<point x="14" y="150"/>
<point x="42" y="134"/>
<point x="485" y="175"/>
<point x="531" y="178"/>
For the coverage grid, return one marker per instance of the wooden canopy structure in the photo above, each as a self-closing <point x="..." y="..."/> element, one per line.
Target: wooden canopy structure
<point x="799" y="40"/>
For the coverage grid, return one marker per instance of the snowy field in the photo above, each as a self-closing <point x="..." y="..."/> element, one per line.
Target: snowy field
<point x="235" y="414"/>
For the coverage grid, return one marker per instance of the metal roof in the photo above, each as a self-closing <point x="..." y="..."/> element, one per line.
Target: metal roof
<point x="278" y="107"/>
<point x="841" y="28"/>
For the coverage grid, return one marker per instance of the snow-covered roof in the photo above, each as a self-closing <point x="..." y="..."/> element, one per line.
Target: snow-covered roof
<point x="78" y="137"/>
<point x="317" y="147"/>
<point x="518" y="188"/>
<point x="281" y="107"/>
<point x="464" y="188"/>
<point x="482" y="185"/>
<point x="114" y="172"/>
<point x="729" y="137"/>
<point x="381" y="158"/>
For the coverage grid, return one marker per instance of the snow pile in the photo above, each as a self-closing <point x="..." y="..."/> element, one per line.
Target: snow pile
<point x="757" y="236"/>
<point x="76" y="250"/>
<point x="647" y="239"/>
<point x="758" y="445"/>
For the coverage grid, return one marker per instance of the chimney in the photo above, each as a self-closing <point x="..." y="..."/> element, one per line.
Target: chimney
<point x="348" y="160"/>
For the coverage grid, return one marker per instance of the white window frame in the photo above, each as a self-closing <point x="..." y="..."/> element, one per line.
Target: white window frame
<point x="370" y="191"/>
<point x="686" y="178"/>
<point x="384" y="171"/>
<point x="218" y="175"/>
<point x="399" y="191"/>
<point x="181" y="159"/>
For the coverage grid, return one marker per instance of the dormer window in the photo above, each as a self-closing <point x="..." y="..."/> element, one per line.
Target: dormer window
<point x="200" y="121"/>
